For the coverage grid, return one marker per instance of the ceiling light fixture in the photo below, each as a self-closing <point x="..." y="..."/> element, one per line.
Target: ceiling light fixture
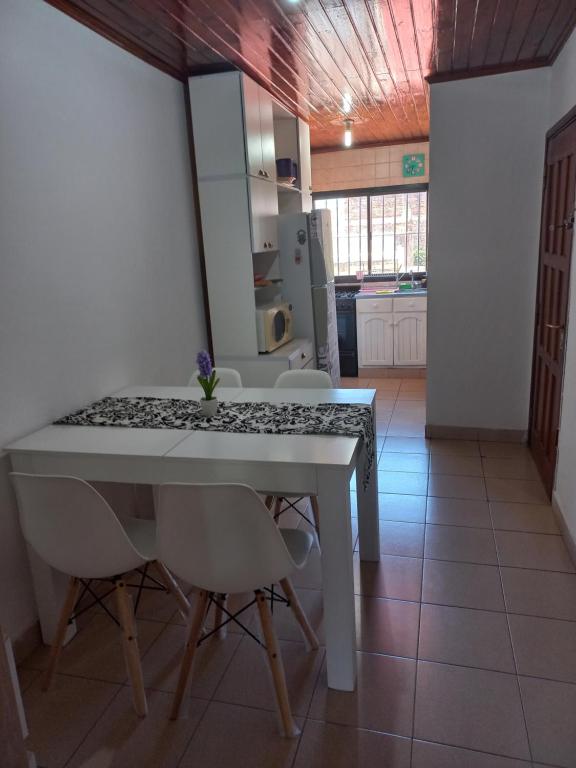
<point x="348" y="132"/>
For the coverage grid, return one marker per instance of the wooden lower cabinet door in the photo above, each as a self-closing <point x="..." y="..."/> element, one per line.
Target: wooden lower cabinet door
<point x="375" y="339"/>
<point x="410" y="338"/>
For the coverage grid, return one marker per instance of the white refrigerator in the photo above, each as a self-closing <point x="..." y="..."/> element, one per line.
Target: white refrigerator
<point x="307" y="270"/>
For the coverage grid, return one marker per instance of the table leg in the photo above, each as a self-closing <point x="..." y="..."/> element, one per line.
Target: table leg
<point x="368" y="521"/>
<point x="338" y="578"/>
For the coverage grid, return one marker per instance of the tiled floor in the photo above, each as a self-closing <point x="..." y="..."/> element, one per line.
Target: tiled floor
<point x="466" y="639"/>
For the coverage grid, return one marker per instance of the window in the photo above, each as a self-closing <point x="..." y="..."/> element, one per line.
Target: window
<point x="376" y="232"/>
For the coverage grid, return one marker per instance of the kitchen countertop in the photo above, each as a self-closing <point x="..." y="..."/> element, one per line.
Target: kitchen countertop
<point x="395" y="295"/>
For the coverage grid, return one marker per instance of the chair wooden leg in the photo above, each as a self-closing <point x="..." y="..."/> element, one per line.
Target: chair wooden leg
<point x="196" y="624"/>
<point x="130" y="644"/>
<point x="277" y="507"/>
<point x="65" y="614"/>
<point x="299" y="614"/>
<point x="268" y="501"/>
<point x="276" y="666"/>
<point x="219" y="616"/>
<point x="172" y="586"/>
<point x="316" y="513"/>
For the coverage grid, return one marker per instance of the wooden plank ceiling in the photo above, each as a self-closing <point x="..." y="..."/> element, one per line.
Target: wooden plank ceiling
<point x="331" y="59"/>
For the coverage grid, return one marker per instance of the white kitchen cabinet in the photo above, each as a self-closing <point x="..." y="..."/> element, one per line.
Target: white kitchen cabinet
<point x="391" y="331"/>
<point x="305" y="165"/>
<point x="263" y="215"/>
<point x="375" y="338"/>
<point x="410" y="338"/>
<point x="233" y="125"/>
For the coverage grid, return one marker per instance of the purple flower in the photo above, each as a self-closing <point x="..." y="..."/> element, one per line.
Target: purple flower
<point x="204" y="364"/>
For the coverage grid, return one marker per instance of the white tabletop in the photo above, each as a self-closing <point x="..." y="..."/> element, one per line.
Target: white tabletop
<point x="306" y="396"/>
<point x="324" y="450"/>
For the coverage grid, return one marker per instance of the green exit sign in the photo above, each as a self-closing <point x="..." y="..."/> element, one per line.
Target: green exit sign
<point x="413" y="165"/>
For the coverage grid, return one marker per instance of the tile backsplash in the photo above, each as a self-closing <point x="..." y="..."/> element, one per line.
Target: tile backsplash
<point x="365" y="167"/>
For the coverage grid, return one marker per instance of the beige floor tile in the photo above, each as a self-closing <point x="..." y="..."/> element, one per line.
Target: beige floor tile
<point x="310" y="577"/>
<point x="387" y="626"/>
<point x="410" y="418"/>
<point x="493" y="450"/>
<point x="533" y="550"/>
<point x="383" y="699"/>
<point x="521" y="468"/>
<point x="457" y="487"/>
<point x="26" y="677"/>
<point x="544" y="647"/>
<point x="239" y="736"/>
<point x="470" y="513"/>
<point x="120" y="739"/>
<point x="403" y="462"/>
<point x="465" y="637"/>
<point x="549" y="708"/>
<point x="540" y="593"/>
<point x="394" y="577"/>
<point x="427" y="755"/>
<point x="385" y="401"/>
<point x="385" y="385"/>
<point x="414" y="410"/>
<point x="406" y="445"/>
<point x="462" y="584"/>
<point x="412" y="483"/>
<point x="470" y="708"/>
<point x="405" y="396"/>
<point x="60" y="719"/>
<point x="286" y="626"/>
<point x="401" y="507"/>
<point x="247" y="681"/>
<point x="459" y="447"/>
<point x="454" y="464"/>
<point x="413" y="385"/>
<point x="531" y="518"/>
<point x="324" y="745"/>
<point x="406" y="539"/>
<point x="161" y="665"/>
<point x="522" y="491"/>
<point x="402" y="428"/>
<point x="465" y="545"/>
<point x="96" y="651"/>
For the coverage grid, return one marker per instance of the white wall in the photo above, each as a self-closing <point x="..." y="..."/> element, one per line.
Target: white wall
<point x="486" y="168"/>
<point x="365" y="167"/>
<point x="99" y="277"/>
<point x="562" y="100"/>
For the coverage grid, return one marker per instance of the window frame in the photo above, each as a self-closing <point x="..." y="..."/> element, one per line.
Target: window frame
<point x="369" y="192"/>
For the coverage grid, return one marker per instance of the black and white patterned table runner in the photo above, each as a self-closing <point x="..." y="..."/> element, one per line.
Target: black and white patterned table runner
<point x="265" y="418"/>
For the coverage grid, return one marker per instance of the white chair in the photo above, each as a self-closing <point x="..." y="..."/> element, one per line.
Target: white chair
<point x="221" y="538"/>
<point x="72" y="528"/>
<point x="228" y="377"/>
<point x="300" y="379"/>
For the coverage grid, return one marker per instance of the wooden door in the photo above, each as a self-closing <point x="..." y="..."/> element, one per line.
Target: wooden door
<point x="557" y="230"/>
<point x="375" y="339"/>
<point x="410" y="338"/>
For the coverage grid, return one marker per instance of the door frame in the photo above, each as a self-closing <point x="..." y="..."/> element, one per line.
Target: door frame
<point x="565" y="122"/>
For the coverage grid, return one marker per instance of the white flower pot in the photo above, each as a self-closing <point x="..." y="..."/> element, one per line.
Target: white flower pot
<point x="209" y="407"/>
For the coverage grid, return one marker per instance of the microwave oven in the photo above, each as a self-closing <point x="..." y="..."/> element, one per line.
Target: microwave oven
<point x="273" y="326"/>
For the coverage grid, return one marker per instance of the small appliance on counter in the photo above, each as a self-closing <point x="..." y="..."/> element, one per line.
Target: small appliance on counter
<point x="273" y="325"/>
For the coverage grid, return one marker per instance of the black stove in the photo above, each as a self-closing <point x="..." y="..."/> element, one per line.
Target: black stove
<point x="346" y="319"/>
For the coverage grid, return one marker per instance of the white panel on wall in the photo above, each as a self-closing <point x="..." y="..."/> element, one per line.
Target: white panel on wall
<point x="487" y="154"/>
<point x="99" y="274"/>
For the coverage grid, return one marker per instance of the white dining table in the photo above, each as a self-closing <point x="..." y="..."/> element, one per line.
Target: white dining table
<point x="281" y="465"/>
